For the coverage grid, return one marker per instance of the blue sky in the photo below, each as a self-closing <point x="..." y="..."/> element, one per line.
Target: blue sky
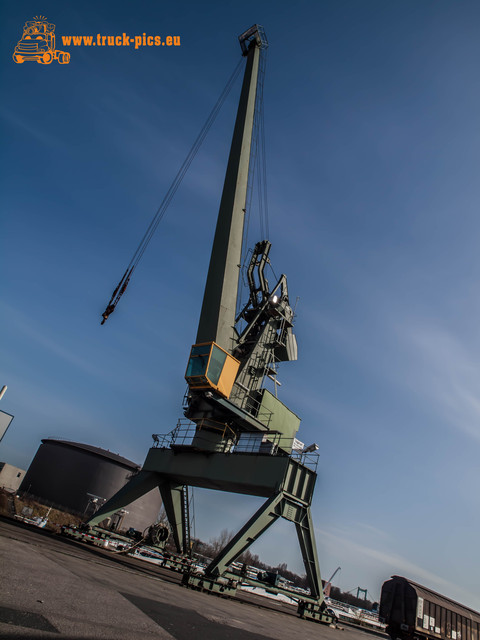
<point x="373" y="150"/>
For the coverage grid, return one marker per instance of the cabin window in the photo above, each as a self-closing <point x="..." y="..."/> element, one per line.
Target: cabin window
<point x="217" y="360"/>
<point x="197" y="365"/>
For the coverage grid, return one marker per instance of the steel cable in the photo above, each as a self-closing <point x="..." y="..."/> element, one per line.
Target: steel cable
<point x="137" y="256"/>
<point x="183" y="170"/>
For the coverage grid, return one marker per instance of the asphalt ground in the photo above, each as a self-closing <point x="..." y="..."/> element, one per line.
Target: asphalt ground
<point x="51" y="587"/>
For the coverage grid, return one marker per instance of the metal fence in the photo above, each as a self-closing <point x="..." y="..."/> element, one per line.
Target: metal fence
<point x="269" y="443"/>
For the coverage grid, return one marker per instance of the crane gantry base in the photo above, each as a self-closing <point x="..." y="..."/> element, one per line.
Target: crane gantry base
<point x="286" y="483"/>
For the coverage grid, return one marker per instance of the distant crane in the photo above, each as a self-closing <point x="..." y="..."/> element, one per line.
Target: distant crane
<point x="359" y="591"/>
<point x="328" y="584"/>
<point x="334" y="574"/>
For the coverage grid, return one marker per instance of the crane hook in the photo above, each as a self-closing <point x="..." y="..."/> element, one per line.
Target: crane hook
<point x="116" y="295"/>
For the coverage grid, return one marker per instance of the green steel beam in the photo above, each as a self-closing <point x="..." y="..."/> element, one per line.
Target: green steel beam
<point x="248" y="473"/>
<point x="253" y="529"/>
<point x="217" y="317"/>
<point x="173" y="505"/>
<point x="136" y="487"/>
<point x="306" y="538"/>
<point x="277" y="506"/>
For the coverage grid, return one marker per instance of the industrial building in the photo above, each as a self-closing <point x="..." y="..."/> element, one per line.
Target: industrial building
<point x="10" y="477"/>
<point x="80" y="478"/>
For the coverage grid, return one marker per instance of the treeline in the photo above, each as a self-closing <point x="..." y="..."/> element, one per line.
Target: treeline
<point x="210" y="549"/>
<point x="215" y="545"/>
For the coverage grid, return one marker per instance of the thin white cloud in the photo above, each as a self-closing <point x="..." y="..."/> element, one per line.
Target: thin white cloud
<point x="371" y="529"/>
<point x="388" y="562"/>
<point x="39" y="335"/>
<point x="440" y="366"/>
<point x="25" y="326"/>
<point x="33" y="130"/>
<point x="445" y="372"/>
<point x="45" y="405"/>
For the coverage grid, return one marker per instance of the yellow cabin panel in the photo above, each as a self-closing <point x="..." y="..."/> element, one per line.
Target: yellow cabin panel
<point x="211" y="367"/>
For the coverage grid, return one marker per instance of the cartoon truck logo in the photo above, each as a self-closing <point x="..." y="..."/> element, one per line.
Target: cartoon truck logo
<point x="38" y="43"/>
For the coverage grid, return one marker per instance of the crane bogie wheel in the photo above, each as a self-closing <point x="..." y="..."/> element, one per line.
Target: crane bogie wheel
<point x="158" y="534"/>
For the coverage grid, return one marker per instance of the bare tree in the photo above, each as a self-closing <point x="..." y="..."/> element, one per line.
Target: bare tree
<point x="218" y="543"/>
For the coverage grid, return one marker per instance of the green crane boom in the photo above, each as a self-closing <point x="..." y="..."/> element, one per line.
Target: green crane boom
<point x="217" y="317"/>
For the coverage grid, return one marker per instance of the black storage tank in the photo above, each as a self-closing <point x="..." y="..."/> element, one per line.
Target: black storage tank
<point x="80" y="477"/>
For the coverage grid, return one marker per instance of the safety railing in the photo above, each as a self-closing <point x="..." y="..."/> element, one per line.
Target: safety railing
<point x="308" y="459"/>
<point x="270" y="443"/>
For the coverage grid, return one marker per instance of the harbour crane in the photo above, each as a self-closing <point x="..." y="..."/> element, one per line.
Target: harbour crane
<point x="328" y="585"/>
<point x="239" y="437"/>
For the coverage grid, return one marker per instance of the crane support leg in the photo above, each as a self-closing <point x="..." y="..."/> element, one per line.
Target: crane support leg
<point x="306" y="538"/>
<point x="137" y="487"/>
<point x="253" y="529"/>
<point x="279" y="505"/>
<point x="172" y="496"/>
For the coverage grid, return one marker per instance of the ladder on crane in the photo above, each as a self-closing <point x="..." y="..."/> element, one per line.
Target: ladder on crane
<point x="187" y="546"/>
